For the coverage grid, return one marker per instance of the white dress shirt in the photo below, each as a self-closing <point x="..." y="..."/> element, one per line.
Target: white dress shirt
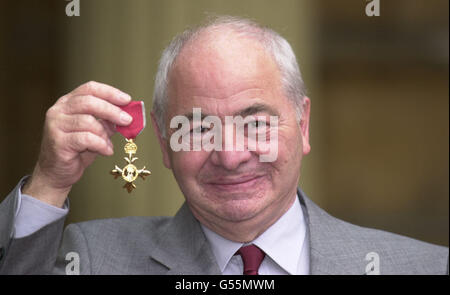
<point x="285" y="244"/>
<point x="32" y="215"/>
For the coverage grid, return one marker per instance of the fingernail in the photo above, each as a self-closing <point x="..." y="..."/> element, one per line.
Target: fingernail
<point x="125" y="117"/>
<point x="125" y="97"/>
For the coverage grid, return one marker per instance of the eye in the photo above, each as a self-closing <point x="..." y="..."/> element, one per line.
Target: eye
<point x="199" y="129"/>
<point x="258" y="124"/>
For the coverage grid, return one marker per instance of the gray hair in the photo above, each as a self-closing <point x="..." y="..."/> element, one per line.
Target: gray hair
<point x="274" y="43"/>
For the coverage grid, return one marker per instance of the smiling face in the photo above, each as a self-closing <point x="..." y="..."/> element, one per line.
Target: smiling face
<point x="233" y="192"/>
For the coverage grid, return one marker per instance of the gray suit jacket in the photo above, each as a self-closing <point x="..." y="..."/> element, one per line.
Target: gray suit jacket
<point x="177" y="245"/>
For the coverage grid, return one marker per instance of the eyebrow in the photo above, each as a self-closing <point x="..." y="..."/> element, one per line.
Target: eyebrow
<point x="257" y="108"/>
<point x="251" y="110"/>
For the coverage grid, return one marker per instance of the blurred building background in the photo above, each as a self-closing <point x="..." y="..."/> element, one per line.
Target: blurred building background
<point x="378" y="85"/>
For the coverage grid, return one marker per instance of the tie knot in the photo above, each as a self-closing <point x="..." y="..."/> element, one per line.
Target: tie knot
<point x="252" y="257"/>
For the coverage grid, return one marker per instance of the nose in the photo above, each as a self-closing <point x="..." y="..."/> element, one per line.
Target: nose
<point x="230" y="160"/>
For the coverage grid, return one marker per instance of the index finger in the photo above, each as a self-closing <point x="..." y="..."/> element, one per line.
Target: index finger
<point x="103" y="91"/>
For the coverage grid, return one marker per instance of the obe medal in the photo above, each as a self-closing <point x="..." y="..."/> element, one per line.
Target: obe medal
<point x="130" y="172"/>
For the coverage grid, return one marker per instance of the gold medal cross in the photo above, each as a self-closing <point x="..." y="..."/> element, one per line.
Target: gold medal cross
<point x="130" y="172"/>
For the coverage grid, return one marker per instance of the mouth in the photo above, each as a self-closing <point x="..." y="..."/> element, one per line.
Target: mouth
<point x="236" y="184"/>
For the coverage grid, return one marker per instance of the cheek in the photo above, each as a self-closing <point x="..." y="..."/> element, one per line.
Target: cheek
<point x="186" y="165"/>
<point x="290" y="147"/>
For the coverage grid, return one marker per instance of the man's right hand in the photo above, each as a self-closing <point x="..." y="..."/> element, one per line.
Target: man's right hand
<point x="77" y="128"/>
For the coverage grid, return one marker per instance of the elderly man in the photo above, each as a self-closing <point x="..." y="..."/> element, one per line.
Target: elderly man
<point x="241" y="215"/>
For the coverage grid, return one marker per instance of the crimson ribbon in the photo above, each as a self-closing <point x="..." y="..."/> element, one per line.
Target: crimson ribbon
<point x="136" y="110"/>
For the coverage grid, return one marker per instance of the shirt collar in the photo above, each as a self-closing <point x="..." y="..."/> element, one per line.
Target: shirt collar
<point x="282" y="242"/>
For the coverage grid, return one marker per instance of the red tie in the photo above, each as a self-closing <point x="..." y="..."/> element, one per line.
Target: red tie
<point x="252" y="257"/>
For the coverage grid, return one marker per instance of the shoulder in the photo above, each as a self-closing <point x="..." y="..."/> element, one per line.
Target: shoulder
<point x="126" y="232"/>
<point x="122" y="226"/>
<point x="399" y="254"/>
<point x="387" y="242"/>
<point x="349" y="243"/>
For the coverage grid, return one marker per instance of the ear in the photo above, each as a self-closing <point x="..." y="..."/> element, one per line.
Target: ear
<point x="304" y="125"/>
<point x="162" y="142"/>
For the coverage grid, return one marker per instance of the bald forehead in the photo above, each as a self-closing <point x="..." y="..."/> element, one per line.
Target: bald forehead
<point x="219" y="59"/>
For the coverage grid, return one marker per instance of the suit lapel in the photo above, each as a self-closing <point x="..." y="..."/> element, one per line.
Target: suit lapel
<point x="182" y="247"/>
<point x="329" y="250"/>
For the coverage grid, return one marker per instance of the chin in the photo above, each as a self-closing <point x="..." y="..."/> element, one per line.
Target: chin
<point x="237" y="210"/>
